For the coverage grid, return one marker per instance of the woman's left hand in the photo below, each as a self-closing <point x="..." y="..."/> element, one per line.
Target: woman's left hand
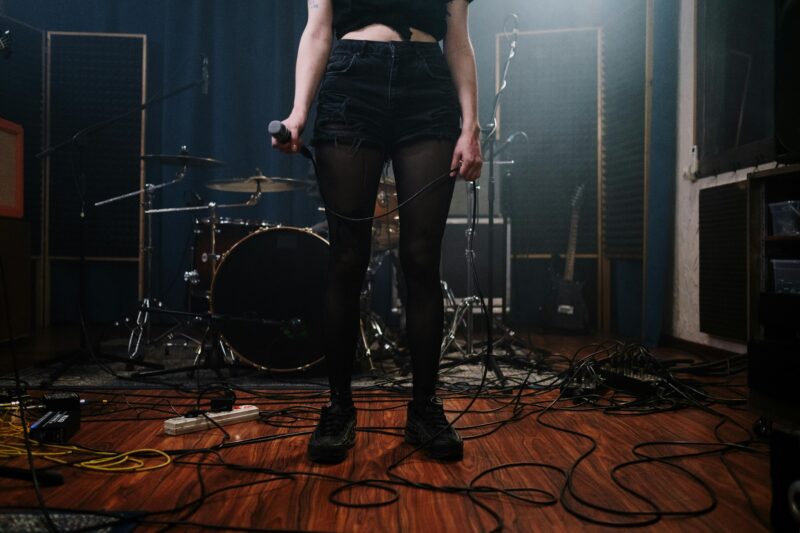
<point x="467" y="155"/>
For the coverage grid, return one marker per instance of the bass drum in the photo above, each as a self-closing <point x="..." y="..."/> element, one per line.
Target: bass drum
<point x="275" y="274"/>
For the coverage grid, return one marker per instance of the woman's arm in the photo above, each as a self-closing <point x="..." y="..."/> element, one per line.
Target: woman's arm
<point x="461" y="60"/>
<point x="312" y="55"/>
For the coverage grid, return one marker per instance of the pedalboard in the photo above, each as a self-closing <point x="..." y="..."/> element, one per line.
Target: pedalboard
<point x="189" y="424"/>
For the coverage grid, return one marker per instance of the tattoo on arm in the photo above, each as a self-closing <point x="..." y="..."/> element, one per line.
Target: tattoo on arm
<point x="313" y="4"/>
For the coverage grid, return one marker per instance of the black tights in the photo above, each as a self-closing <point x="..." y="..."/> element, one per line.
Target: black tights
<point x="349" y="178"/>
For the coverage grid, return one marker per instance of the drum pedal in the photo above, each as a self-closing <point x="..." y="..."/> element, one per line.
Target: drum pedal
<point x="188" y="424"/>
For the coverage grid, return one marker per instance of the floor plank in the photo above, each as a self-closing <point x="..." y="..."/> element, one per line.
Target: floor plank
<point x="301" y="503"/>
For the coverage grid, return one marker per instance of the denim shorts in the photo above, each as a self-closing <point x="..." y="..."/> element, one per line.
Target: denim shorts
<point x="386" y="93"/>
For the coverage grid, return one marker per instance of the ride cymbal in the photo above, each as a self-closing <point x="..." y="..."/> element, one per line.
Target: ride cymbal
<point x="183" y="160"/>
<point x="258" y="183"/>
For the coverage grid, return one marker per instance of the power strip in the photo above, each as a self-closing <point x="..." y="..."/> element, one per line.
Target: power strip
<point x="185" y="424"/>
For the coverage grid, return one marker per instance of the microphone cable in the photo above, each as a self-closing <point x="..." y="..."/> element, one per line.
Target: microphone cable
<point x="279" y="131"/>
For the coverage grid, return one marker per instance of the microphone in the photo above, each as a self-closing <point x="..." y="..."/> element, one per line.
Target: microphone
<point x="281" y="133"/>
<point x="205" y="75"/>
<point x="514" y="35"/>
<point x="507" y="143"/>
<point x="5" y="44"/>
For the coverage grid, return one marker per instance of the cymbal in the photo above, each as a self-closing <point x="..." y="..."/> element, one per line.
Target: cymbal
<point x="258" y="183"/>
<point x="183" y="160"/>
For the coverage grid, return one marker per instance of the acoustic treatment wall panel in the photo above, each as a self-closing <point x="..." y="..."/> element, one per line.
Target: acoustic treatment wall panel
<point x="624" y="56"/>
<point x="552" y="96"/>
<point x="92" y="78"/>
<point x="723" y="261"/>
<point x="95" y="83"/>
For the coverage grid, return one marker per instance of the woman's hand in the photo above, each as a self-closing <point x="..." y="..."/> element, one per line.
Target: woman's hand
<point x="467" y="155"/>
<point x="295" y="123"/>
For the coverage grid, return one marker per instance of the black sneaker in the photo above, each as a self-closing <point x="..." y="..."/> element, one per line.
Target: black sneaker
<point x="428" y="427"/>
<point x="334" y="435"/>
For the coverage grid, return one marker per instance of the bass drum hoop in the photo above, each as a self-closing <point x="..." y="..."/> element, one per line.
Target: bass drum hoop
<point x="211" y="299"/>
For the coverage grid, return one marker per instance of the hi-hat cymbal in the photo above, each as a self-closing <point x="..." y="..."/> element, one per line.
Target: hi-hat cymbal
<point x="257" y="183"/>
<point x="183" y="160"/>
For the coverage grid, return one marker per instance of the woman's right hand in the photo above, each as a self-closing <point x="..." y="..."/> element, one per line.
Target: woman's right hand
<point x="295" y="123"/>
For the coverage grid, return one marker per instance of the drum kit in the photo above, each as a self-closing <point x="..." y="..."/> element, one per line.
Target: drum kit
<point x="262" y="284"/>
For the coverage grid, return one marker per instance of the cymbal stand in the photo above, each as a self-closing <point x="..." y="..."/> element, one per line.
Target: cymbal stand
<point x="372" y="329"/>
<point x="140" y="336"/>
<point x="211" y="335"/>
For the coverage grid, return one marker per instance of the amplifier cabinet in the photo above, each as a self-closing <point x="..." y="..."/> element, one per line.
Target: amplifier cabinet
<point x="454" y="263"/>
<point x="15" y="255"/>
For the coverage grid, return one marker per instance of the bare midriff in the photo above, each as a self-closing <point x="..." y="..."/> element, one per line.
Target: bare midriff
<point x="381" y="32"/>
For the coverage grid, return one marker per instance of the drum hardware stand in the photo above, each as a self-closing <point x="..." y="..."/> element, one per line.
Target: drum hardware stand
<point x="463" y="312"/>
<point x="217" y="355"/>
<point x="458" y="310"/>
<point x="140" y="337"/>
<point x="372" y="329"/>
<point x="212" y="352"/>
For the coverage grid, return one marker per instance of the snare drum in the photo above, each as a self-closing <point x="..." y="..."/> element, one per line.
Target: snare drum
<point x="386" y="229"/>
<point x="274" y="274"/>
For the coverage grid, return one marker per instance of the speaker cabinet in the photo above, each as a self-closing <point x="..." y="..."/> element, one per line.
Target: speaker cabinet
<point x="785" y="473"/>
<point x="15" y="257"/>
<point x="11" y="175"/>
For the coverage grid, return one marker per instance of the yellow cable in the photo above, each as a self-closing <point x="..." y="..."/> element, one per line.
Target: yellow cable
<point x="111" y="462"/>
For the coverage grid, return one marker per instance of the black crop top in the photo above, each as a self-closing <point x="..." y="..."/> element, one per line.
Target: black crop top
<point x="429" y="16"/>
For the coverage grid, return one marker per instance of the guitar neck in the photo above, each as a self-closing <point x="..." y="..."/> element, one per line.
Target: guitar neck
<point x="569" y="267"/>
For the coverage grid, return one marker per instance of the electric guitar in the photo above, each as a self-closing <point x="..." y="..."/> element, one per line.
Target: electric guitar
<point x="5" y="43"/>
<point x="568" y="310"/>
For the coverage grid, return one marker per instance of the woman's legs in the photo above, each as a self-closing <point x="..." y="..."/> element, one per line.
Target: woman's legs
<point x="348" y="179"/>
<point x="422" y="224"/>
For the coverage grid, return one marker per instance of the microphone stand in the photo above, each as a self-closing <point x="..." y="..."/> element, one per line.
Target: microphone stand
<point x="489" y="141"/>
<point x="85" y="346"/>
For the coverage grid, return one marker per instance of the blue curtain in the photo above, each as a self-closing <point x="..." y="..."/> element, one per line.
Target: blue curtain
<point x="658" y="266"/>
<point x="251" y="48"/>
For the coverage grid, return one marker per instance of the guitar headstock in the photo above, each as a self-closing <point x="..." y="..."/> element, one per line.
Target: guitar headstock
<point x="577" y="196"/>
<point x="5" y="43"/>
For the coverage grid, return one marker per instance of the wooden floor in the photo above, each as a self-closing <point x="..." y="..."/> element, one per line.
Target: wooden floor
<point x="290" y="493"/>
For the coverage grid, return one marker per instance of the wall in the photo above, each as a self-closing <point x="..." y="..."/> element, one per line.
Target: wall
<point x="686" y="275"/>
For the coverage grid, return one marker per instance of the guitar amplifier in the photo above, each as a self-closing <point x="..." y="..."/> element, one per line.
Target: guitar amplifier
<point x="454" y="263"/>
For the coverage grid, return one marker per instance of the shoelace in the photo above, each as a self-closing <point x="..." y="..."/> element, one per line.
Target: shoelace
<point x="434" y="416"/>
<point x="332" y="421"/>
